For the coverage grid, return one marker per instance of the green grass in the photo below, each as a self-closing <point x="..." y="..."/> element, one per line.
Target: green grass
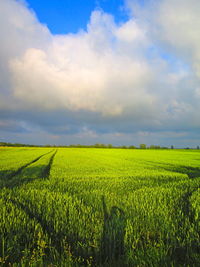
<point x="99" y="207"/>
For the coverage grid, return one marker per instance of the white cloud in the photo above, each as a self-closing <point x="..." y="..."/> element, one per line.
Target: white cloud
<point x="175" y="23"/>
<point x="91" y="70"/>
<point x="119" y="71"/>
<point x="174" y="27"/>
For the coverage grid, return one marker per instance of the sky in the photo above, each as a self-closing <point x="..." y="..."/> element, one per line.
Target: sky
<point x="83" y="72"/>
<point x="69" y="16"/>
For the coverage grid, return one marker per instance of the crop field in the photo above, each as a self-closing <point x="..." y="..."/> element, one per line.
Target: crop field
<point x="99" y="207"/>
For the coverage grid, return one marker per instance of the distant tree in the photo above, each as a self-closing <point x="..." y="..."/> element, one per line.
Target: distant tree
<point x="197" y="147"/>
<point x="4" y="144"/>
<point x="132" y="147"/>
<point x="110" y="145"/>
<point x="154" y="147"/>
<point x="143" y="146"/>
<point x="78" y="145"/>
<point x="172" y="147"/>
<point x="99" y="145"/>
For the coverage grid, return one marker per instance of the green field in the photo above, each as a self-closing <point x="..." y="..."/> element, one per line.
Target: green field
<point x="99" y="207"/>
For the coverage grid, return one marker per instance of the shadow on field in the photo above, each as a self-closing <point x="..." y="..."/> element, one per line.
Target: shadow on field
<point x="112" y="241"/>
<point x="31" y="174"/>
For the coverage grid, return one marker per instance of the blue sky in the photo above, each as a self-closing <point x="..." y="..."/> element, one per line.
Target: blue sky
<point x="122" y="72"/>
<point x="64" y="16"/>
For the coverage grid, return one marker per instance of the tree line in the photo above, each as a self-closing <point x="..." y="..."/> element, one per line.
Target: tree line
<point x="97" y="145"/>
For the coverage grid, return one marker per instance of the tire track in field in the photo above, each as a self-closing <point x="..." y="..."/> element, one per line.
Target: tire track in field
<point x="180" y="253"/>
<point x="46" y="227"/>
<point x="57" y="239"/>
<point x="12" y="182"/>
<point x="46" y="171"/>
<point x="18" y="171"/>
<point x="186" y="205"/>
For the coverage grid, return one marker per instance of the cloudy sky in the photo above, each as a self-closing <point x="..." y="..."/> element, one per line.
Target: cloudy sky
<point x="120" y="72"/>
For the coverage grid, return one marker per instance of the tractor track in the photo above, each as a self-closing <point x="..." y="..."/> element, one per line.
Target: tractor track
<point x="18" y="171"/>
<point x="57" y="239"/>
<point x="46" y="171"/>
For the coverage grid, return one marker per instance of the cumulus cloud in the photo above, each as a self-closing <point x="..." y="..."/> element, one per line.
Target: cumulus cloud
<point x="97" y="70"/>
<point x="138" y="76"/>
<point x="174" y="25"/>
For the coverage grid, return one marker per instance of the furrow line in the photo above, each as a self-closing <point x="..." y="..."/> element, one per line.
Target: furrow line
<point x="47" y="170"/>
<point x="56" y="239"/>
<point x="17" y="172"/>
